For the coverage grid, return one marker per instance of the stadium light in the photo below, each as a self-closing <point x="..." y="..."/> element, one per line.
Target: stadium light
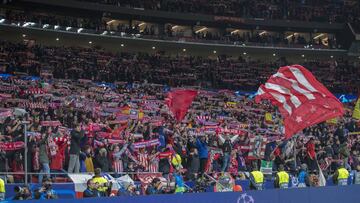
<point x="320" y="35"/>
<point x="262" y="33"/>
<point x="303" y="55"/>
<point x="68" y="28"/>
<point x="90" y="42"/>
<point x="111" y="21"/>
<point x="274" y="54"/>
<point x="331" y="56"/>
<point x="122" y="45"/>
<point x="184" y="50"/>
<point x="79" y="30"/>
<point x="153" y="47"/>
<point x="23" y="35"/>
<point x="28" y="24"/>
<point x="214" y="51"/>
<point x="200" y="30"/>
<point x="2" y="20"/>
<point x="244" y="53"/>
<point x="57" y="39"/>
<point x="292" y="35"/>
<point x="235" y="31"/>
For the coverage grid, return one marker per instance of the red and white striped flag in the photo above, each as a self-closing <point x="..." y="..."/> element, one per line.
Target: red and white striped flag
<point x="302" y="100"/>
<point x="257" y="147"/>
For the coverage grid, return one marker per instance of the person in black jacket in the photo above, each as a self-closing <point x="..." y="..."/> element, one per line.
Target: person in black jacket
<point x="74" y="162"/>
<point x="193" y="164"/>
<point x="91" y="190"/>
<point x="102" y="161"/>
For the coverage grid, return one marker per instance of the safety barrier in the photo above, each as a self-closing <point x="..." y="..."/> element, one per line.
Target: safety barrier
<point x="344" y="194"/>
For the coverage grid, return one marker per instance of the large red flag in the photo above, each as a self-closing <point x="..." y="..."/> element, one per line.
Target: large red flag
<point x="301" y="99"/>
<point x="179" y="102"/>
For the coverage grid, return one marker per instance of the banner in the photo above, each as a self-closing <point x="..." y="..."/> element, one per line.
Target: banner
<point x="50" y="123"/>
<point x="11" y="146"/>
<point x="231" y="131"/>
<point x="144" y="144"/>
<point x="4" y="113"/>
<point x="266" y="167"/>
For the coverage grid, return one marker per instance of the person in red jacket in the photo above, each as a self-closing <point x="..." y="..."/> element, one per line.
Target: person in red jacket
<point x="311" y="155"/>
<point x="57" y="161"/>
<point x="18" y="167"/>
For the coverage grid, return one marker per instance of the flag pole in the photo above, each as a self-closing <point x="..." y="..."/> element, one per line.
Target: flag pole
<point x="25" y="151"/>
<point x="295" y="152"/>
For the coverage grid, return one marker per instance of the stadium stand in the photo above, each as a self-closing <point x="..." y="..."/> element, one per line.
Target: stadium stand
<point x="87" y="87"/>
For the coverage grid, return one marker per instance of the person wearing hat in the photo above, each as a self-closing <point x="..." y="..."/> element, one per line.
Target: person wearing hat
<point x="341" y="175"/>
<point x="303" y="176"/>
<point x="282" y="178"/>
<point x="101" y="182"/>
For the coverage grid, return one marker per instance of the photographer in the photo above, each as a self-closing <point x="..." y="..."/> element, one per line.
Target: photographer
<point x="128" y="190"/>
<point x="46" y="191"/>
<point x="22" y="193"/>
<point x="154" y="187"/>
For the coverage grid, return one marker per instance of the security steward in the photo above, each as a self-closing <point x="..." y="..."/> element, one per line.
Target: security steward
<point x="101" y="182"/>
<point x="282" y="178"/>
<point x="256" y="179"/>
<point x="2" y="189"/>
<point x="341" y="176"/>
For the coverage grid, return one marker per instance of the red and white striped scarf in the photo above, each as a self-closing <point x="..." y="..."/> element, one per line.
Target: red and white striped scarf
<point x="35" y="105"/>
<point x="35" y="91"/>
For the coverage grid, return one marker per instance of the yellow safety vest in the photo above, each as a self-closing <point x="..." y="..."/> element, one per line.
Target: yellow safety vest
<point x="2" y="186"/>
<point x="100" y="181"/>
<point x="258" y="176"/>
<point x="283" y="177"/>
<point x="343" y="174"/>
<point x="176" y="160"/>
<point x="180" y="190"/>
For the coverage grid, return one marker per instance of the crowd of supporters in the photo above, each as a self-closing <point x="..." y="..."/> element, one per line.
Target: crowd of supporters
<point x="77" y="125"/>
<point x="323" y="11"/>
<point x="220" y="72"/>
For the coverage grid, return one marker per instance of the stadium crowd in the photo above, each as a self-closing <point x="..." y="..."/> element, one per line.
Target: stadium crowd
<point x="78" y="125"/>
<point x="323" y="11"/>
<point x="222" y="72"/>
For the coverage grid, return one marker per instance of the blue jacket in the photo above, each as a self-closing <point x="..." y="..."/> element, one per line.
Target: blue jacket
<point x="302" y="177"/>
<point x="202" y="148"/>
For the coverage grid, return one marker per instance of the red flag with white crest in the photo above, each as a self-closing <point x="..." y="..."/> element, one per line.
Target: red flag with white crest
<point x="301" y="99"/>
